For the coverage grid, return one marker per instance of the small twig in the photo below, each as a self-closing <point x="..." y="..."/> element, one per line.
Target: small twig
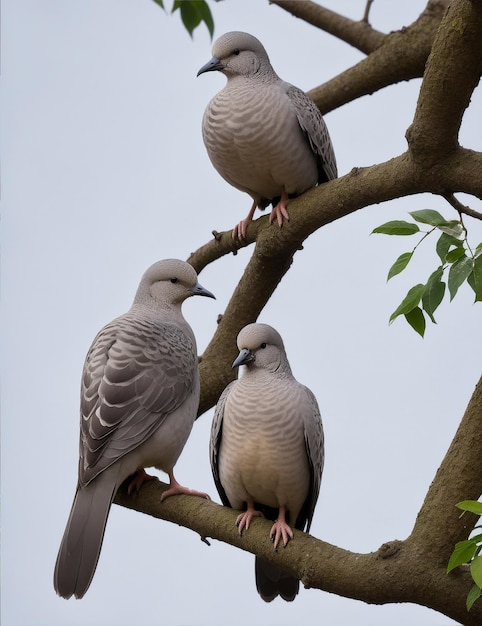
<point x="458" y="206"/>
<point x="367" y="11"/>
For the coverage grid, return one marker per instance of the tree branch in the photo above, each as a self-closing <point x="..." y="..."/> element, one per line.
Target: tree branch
<point x="356" y="33"/>
<point x="453" y="71"/>
<point x="459" y="477"/>
<point x="276" y="247"/>
<point x="402" y="55"/>
<point x="461" y="209"/>
<point x="368" y="577"/>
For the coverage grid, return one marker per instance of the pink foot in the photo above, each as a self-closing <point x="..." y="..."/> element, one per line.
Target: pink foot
<point x="175" y="489"/>
<point x="239" y="231"/>
<point x="280" y="530"/>
<point x="244" y="519"/>
<point x="280" y="211"/>
<point x="137" y="480"/>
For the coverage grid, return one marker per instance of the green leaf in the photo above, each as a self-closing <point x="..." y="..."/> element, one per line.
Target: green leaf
<point x="193" y="12"/>
<point x="478" y="250"/>
<point x="433" y="293"/>
<point x="455" y="255"/>
<point x="470" y="505"/>
<point x="160" y="3"/>
<point x="416" y="320"/>
<point x="458" y="273"/>
<point x="453" y="228"/>
<point x="476" y="570"/>
<point x="473" y="595"/>
<point x="444" y="243"/>
<point x="428" y="216"/>
<point x="410" y="301"/>
<point x="207" y="17"/>
<point x="475" y="279"/>
<point x="397" y="227"/>
<point x="464" y="552"/>
<point x="400" y="264"/>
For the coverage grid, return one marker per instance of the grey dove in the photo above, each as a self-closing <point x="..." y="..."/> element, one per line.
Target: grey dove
<point x="263" y="135"/>
<point x="267" y="449"/>
<point x="139" y="399"/>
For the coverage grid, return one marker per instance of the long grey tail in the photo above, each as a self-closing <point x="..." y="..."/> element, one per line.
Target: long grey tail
<point x="271" y="581"/>
<point x="82" y="540"/>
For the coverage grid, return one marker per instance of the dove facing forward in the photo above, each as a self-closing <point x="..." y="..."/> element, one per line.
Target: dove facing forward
<point x="263" y="135"/>
<point x="267" y="449"/>
<point x="139" y="399"/>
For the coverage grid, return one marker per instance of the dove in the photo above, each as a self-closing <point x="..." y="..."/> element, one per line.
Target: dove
<point x="267" y="449"/>
<point x="139" y="399"/>
<point x="263" y="135"/>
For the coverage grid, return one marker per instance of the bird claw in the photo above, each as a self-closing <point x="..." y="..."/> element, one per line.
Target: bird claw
<point x="176" y="489"/>
<point x="244" y="519"/>
<point x="279" y="212"/>
<point x="239" y="231"/>
<point x="137" y="480"/>
<point x="280" y="530"/>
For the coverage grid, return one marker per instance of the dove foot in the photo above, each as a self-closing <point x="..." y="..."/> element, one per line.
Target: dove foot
<point x="239" y="231"/>
<point x="175" y="489"/>
<point x="280" y="530"/>
<point x="280" y="211"/>
<point x="244" y="519"/>
<point x="137" y="480"/>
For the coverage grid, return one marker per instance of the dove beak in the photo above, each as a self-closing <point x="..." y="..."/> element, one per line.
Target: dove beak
<point x="244" y="357"/>
<point x="199" y="290"/>
<point x="214" y="65"/>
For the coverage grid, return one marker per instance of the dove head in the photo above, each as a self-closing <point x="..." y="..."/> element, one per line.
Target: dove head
<point x="168" y="283"/>
<point x="261" y="348"/>
<point x="238" y="54"/>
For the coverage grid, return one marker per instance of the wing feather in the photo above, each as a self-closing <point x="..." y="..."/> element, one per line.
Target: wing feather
<point x="215" y="442"/>
<point x="316" y="132"/>
<point x="136" y="373"/>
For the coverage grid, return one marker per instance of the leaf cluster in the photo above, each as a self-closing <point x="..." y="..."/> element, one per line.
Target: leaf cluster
<point x="469" y="551"/>
<point x="457" y="260"/>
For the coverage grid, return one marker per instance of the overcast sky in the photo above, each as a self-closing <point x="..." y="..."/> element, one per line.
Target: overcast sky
<point x="104" y="172"/>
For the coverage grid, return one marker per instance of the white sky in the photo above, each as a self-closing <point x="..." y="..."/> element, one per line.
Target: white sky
<point x="105" y="172"/>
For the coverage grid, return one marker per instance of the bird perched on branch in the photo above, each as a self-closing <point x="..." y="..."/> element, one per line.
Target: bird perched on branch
<point x="139" y="399"/>
<point x="263" y="135"/>
<point x="267" y="449"/>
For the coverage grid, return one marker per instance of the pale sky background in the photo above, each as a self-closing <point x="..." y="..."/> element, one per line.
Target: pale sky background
<point x="104" y="172"/>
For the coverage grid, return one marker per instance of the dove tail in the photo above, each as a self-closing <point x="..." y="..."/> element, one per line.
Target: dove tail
<point x="82" y="540"/>
<point x="271" y="582"/>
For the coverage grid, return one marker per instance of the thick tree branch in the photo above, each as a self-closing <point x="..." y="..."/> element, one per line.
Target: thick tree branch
<point x="401" y="56"/>
<point x="453" y="71"/>
<point x="275" y="248"/>
<point x="459" y="477"/>
<point x="368" y="577"/>
<point x="356" y="33"/>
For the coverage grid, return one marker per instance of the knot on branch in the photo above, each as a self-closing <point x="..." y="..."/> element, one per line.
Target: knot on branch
<point x="389" y="549"/>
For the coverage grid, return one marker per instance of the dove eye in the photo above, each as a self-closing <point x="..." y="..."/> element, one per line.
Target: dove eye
<point x="236" y="51"/>
<point x="263" y="345"/>
<point x="174" y="280"/>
